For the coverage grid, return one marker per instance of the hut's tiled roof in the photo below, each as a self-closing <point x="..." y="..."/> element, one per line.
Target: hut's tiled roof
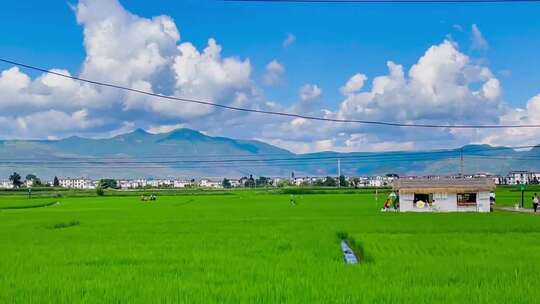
<point x="444" y="185"/>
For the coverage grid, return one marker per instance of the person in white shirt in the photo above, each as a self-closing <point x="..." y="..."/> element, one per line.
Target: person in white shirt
<point x="536" y="200"/>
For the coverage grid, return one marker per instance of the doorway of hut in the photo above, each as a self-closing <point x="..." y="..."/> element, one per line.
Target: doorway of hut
<point x="426" y="198"/>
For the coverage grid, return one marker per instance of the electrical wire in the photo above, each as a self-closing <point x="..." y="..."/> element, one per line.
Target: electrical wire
<point x="267" y="112"/>
<point x="253" y="158"/>
<point x="385" y="1"/>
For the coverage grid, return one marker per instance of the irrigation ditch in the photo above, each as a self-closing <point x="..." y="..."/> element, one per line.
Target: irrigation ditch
<point x="352" y="250"/>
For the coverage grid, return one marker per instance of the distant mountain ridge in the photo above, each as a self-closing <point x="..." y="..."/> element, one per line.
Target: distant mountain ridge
<point x="187" y="153"/>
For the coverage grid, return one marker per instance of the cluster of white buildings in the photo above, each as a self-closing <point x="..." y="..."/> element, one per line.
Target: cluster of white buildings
<point x="522" y="177"/>
<point x="360" y="181"/>
<point x="82" y="183"/>
<point x="512" y="178"/>
<point x="6" y="184"/>
<point x="165" y="183"/>
<point x="77" y="183"/>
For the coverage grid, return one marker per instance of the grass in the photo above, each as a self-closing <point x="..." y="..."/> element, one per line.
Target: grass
<point x="254" y="247"/>
<point x="63" y="225"/>
<point x="510" y="195"/>
<point x="26" y="205"/>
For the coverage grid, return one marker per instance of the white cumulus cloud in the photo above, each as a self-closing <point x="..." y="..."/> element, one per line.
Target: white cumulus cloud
<point x="477" y="39"/>
<point x="354" y="84"/>
<point x="309" y="92"/>
<point x="273" y="73"/>
<point x="289" y="40"/>
<point x="444" y="86"/>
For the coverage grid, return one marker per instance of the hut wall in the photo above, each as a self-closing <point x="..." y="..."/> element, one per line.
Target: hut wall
<point x="445" y="202"/>
<point x="482" y="203"/>
<point x="406" y="202"/>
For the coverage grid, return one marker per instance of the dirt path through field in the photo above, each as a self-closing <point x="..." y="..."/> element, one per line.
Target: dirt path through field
<point x="521" y="210"/>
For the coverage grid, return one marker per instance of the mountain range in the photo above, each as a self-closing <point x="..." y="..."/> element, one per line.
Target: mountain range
<point x="186" y="153"/>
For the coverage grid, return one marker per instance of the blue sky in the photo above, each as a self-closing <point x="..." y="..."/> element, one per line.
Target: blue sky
<point x="332" y="43"/>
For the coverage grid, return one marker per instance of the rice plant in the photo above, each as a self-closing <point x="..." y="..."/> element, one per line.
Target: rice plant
<point x="252" y="247"/>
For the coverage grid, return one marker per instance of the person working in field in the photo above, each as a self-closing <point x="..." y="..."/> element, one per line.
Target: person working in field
<point x="391" y="203"/>
<point x="536" y="201"/>
<point x="386" y="206"/>
<point x="293" y="201"/>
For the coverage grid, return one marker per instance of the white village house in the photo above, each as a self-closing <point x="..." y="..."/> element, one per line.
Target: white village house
<point x="205" y="182"/>
<point x="522" y="177"/>
<point x="444" y="195"/>
<point x="77" y="183"/>
<point x="6" y="184"/>
<point x="182" y="183"/>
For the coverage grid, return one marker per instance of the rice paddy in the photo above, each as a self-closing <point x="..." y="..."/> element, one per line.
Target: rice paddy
<point x="255" y="247"/>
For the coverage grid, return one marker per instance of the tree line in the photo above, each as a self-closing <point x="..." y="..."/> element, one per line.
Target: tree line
<point x="17" y="181"/>
<point x="262" y="181"/>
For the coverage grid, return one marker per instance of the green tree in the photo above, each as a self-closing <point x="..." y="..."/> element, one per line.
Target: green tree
<point x="283" y="183"/>
<point x="226" y="183"/>
<point x="250" y="182"/>
<point x="343" y="181"/>
<point x="356" y="182"/>
<point x="319" y="182"/>
<point x="330" y="181"/>
<point x="34" y="179"/>
<point x="262" y="181"/>
<point x="108" y="183"/>
<point x="56" y="182"/>
<point x="37" y="182"/>
<point x="15" y="179"/>
<point x="100" y="191"/>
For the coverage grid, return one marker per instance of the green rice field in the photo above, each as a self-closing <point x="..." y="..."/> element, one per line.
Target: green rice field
<point x="256" y="247"/>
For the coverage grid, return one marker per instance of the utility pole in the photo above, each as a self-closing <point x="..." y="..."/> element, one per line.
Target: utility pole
<point x="461" y="164"/>
<point x="522" y="189"/>
<point x="339" y="173"/>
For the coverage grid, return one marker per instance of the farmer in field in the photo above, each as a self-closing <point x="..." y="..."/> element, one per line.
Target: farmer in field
<point x="491" y="201"/>
<point x="393" y="200"/>
<point x="293" y="201"/>
<point x="536" y="201"/>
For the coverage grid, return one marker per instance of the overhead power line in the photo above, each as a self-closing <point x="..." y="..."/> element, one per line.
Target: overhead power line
<point x="384" y="1"/>
<point x="210" y="166"/>
<point x="254" y="165"/>
<point x="282" y="162"/>
<point x="170" y="160"/>
<point x="274" y="113"/>
<point x="272" y="161"/>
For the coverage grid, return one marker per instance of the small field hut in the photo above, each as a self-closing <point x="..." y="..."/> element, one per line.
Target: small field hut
<point x="445" y="195"/>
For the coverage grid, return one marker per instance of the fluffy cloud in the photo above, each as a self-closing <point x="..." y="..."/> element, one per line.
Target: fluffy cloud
<point x="458" y="27"/>
<point x="309" y="92"/>
<point x="530" y="115"/>
<point x="21" y="94"/>
<point x="132" y="51"/>
<point x="273" y="73"/>
<point x="354" y="84"/>
<point x="439" y="87"/>
<point x="165" y="128"/>
<point x="444" y="86"/>
<point x="43" y="124"/>
<point x="123" y="47"/>
<point x="477" y="39"/>
<point x="289" y="40"/>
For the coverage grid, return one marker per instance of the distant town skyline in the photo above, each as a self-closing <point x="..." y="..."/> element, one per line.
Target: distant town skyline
<point x="426" y="63"/>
